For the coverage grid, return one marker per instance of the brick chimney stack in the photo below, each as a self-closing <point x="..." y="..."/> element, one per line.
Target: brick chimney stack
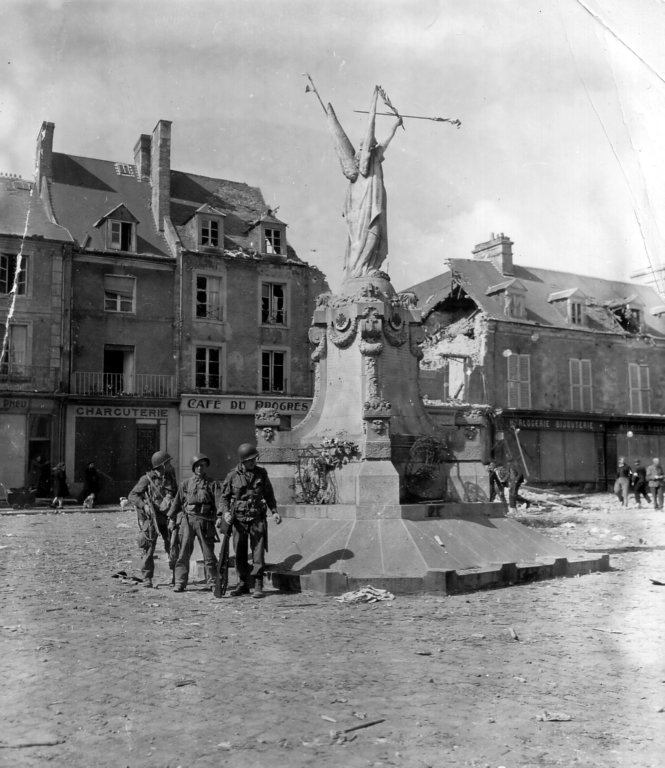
<point x="44" y="156"/>
<point x="498" y="250"/>
<point x="142" y="156"/>
<point x="160" y="171"/>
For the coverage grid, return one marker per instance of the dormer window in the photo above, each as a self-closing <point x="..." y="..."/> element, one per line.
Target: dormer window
<point x="572" y="304"/>
<point x="208" y="232"/>
<point x="512" y="294"/>
<point x="121" y="235"/>
<point x="628" y="313"/>
<point x="118" y="227"/>
<point x="273" y="241"/>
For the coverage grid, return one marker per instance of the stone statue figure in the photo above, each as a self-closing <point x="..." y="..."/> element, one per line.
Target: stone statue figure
<point x="365" y="204"/>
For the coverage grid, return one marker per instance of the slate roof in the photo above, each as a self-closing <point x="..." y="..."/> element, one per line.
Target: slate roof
<point x="83" y="190"/>
<point x="475" y="276"/>
<point x="18" y="205"/>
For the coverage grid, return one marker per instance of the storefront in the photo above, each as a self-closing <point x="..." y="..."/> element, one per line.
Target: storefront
<point x="217" y="425"/>
<point x="28" y="437"/>
<point x="119" y="439"/>
<point x="553" y="449"/>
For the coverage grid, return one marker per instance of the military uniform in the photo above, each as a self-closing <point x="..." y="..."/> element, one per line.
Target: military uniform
<point x="194" y="510"/>
<point x="245" y="497"/>
<point x="152" y="496"/>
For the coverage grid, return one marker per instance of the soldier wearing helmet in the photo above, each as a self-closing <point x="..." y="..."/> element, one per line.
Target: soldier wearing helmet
<point x="245" y="498"/>
<point x="152" y="496"/>
<point x="193" y="511"/>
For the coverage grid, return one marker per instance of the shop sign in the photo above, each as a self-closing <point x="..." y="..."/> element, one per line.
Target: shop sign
<point x="245" y="405"/>
<point x="14" y="404"/>
<point x="120" y="412"/>
<point x="570" y="425"/>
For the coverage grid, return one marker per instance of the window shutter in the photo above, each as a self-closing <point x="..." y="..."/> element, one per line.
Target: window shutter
<point x="525" y="381"/>
<point x="587" y="390"/>
<point x="120" y="285"/>
<point x="513" y="383"/>
<point x="575" y="394"/>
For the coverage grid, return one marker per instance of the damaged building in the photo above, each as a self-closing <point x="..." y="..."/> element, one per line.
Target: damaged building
<point x="145" y="308"/>
<point x="570" y="369"/>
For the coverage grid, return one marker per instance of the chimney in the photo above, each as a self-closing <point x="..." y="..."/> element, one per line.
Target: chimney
<point x="142" y="156"/>
<point x="44" y="156"/>
<point x="498" y="250"/>
<point x="160" y="171"/>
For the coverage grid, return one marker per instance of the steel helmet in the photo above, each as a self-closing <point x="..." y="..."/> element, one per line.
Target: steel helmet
<point x="198" y="459"/>
<point x="247" y="451"/>
<point x="159" y="459"/>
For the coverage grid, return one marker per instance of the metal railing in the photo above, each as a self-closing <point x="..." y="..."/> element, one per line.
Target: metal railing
<point x="119" y="384"/>
<point x="40" y="378"/>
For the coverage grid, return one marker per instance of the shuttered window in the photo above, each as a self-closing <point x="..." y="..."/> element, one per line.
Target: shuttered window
<point x="640" y="388"/>
<point x="119" y="293"/>
<point x="581" y="398"/>
<point x="519" y="381"/>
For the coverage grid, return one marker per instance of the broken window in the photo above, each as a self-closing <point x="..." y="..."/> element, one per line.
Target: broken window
<point x="455" y="378"/>
<point x="273" y="371"/>
<point x="9" y="263"/>
<point x="640" y="388"/>
<point x="119" y="293"/>
<point x="519" y="381"/>
<point x="208" y="368"/>
<point x="273" y="240"/>
<point x="209" y="232"/>
<point x="273" y="303"/>
<point x="580" y="385"/>
<point x="121" y="235"/>
<point x="629" y="318"/>
<point x="208" y="304"/>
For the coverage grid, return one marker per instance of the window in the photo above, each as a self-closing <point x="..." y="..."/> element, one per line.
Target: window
<point x="273" y="303"/>
<point x="121" y="235"/>
<point x="208" y="368"/>
<point x="640" y="390"/>
<point x="208" y="304"/>
<point x="454" y="378"/>
<point x="576" y="313"/>
<point x="9" y="263"/>
<point x="16" y="355"/>
<point x="273" y="241"/>
<point x="273" y="371"/>
<point x="118" y="369"/>
<point x="209" y="232"/>
<point x="519" y="381"/>
<point x="629" y="318"/>
<point x="119" y="293"/>
<point x="580" y="385"/>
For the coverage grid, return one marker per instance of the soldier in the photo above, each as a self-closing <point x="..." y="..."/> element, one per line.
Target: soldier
<point x="245" y="498"/>
<point x="152" y="496"/>
<point x="193" y="511"/>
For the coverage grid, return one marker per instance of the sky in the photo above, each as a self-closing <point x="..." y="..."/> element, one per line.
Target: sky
<point x="562" y="105"/>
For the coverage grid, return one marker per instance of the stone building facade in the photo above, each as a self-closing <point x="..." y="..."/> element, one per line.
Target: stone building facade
<point x="569" y="368"/>
<point x="183" y="309"/>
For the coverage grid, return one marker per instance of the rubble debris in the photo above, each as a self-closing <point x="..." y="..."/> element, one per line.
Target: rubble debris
<point x="554" y="717"/>
<point x="657" y="582"/>
<point x="367" y="594"/>
<point x="513" y="634"/>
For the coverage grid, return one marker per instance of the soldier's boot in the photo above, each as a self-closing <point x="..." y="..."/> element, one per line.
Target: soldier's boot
<point x="258" y="589"/>
<point x="240" y="589"/>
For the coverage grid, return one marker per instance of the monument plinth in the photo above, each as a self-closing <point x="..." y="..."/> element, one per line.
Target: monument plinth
<point x="361" y="480"/>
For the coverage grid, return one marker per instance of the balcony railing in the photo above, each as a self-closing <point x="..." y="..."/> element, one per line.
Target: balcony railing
<point x="36" y="378"/>
<point x="119" y="384"/>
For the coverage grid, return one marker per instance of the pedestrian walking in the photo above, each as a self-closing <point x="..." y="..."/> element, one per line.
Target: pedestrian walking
<point x="152" y="497"/>
<point x="193" y="512"/>
<point x="92" y="484"/>
<point x="245" y="499"/>
<point x="622" y="482"/>
<point x="640" y="487"/>
<point x="515" y="480"/>
<point x="655" y="479"/>
<point x="498" y="477"/>
<point x="60" y="489"/>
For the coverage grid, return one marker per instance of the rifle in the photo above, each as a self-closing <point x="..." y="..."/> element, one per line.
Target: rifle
<point x="222" y="575"/>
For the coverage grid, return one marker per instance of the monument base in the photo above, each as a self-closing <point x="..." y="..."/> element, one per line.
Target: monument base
<point x="432" y="548"/>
